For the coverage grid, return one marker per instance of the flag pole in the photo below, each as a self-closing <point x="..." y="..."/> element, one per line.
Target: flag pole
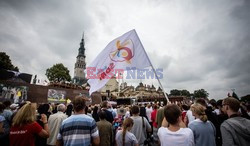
<point x="153" y="68"/>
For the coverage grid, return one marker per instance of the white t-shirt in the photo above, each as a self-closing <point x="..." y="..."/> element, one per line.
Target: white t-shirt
<point x="148" y="113"/>
<point x="182" y="137"/>
<point x="190" y="116"/>
<point x="130" y="139"/>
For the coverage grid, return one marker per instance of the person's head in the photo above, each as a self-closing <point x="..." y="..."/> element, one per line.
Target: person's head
<point x="135" y="110"/>
<point x="230" y="104"/>
<point x="25" y="115"/>
<point x="172" y="113"/>
<point x="79" y="104"/>
<point x="201" y="101"/>
<point x="155" y="106"/>
<point x="61" y="108"/>
<point x="102" y="115"/>
<point x="127" y="125"/>
<point x="199" y="111"/>
<point x="69" y="110"/>
<point x="104" y="104"/>
<point x="184" y="107"/>
<point x="214" y="104"/>
<point x="95" y="110"/>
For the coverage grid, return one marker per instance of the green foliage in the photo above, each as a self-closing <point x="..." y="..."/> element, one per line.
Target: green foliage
<point x="58" y="73"/>
<point x="5" y="62"/>
<point x="185" y="93"/>
<point x="245" y="98"/>
<point x="176" y="92"/>
<point x="201" y="93"/>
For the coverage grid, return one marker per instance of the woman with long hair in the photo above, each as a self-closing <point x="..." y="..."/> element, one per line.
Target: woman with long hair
<point x="24" y="126"/>
<point x="124" y="137"/>
<point x="204" y="130"/>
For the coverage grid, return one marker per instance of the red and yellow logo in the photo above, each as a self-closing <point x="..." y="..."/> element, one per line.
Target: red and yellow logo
<point x="124" y="52"/>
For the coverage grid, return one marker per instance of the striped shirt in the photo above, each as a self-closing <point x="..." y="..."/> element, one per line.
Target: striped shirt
<point x="78" y="130"/>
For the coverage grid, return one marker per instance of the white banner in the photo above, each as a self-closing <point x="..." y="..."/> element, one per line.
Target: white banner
<point x="120" y="54"/>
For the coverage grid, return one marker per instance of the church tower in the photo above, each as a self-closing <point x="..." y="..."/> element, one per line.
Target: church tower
<point x="80" y="65"/>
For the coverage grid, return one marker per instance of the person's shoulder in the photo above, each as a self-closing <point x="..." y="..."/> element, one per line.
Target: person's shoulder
<point x="2" y="118"/>
<point x="187" y="130"/>
<point x="119" y="132"/>
<point x="162" y="129"/>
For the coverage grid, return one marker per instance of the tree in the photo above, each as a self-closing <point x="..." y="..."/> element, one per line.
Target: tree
<point x="58" y="73"/>
<point x="201" y="93"/>
<point x="246" y="98"/>
<point x="5" y="62"/>
<point x="175" y="92"/>
<point x="185" y="93"/>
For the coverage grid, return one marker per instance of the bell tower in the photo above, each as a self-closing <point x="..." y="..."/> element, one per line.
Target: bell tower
<point x="80" y="65"/>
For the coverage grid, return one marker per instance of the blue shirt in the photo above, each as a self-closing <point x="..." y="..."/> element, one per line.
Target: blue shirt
<point x="204" y="132"/>
<point x="78" y="130"/>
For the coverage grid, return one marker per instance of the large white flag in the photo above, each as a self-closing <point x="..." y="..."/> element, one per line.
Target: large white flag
<point x="119" y="55"/>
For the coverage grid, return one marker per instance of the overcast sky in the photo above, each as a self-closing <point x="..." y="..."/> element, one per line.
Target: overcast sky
<point x="198" y="43"/>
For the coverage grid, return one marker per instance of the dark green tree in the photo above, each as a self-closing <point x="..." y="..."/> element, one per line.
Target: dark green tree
<point x="185" y="93"/>
<point x="58" y="73"/>
<point x="5" y="62"/>
<point x="246" y="98"/>
<point x="201" y="93"/>
<point x="175" y="92"/>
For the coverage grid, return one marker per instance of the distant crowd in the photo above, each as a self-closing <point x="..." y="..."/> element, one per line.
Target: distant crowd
<point x="199" y="123"/>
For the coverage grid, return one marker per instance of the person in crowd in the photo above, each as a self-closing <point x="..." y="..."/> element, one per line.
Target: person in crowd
<point x="2" y="119"/>
<point x="105" y="130"/>
<point x="204" y="130"/>
<point x="119" y="119"/>
<point x="160" y="114"/>
<point x="54" y="107"/>
<point x="25" y="128"/>
<point x="42" y="109"/>
<point x="69" y="110"/>
<point x="109" y="117"/>
<point x="174" y="135"/>
<point x="189" y="117"/>
<point x="13" y="107"/>
<point x="141" y="126"/>
<point x="142" y="110"/>
<point x="88" y="111"/>
<point x="153" y="118"/>
<point x="7" y="114"/>
<point x="124" y="137"/>
<point x="212" y="117"/>
<point x="222" y="116"/>
<point x="95" y="113"/>
<point x="149" y="110"/>
<point x="127" y="114"/>
<point x="78" y="129"/>
<point x="215" y="108"/>
<point x="112" y="110"/>
<point x="55" y="122"/>
<point x="236" y="129"/>
<point x="184" y="111"/>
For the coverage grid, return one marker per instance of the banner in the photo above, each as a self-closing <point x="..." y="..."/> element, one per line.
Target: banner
<point x="124" y="52"/>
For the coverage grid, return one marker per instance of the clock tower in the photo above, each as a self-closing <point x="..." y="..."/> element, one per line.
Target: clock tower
<point x="80" y="65"/>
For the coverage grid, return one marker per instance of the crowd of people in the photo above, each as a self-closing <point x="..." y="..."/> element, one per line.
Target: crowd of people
<point x="199" y="123"/>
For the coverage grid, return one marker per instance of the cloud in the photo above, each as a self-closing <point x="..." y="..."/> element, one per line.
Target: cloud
<point x="199" y="44"/>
